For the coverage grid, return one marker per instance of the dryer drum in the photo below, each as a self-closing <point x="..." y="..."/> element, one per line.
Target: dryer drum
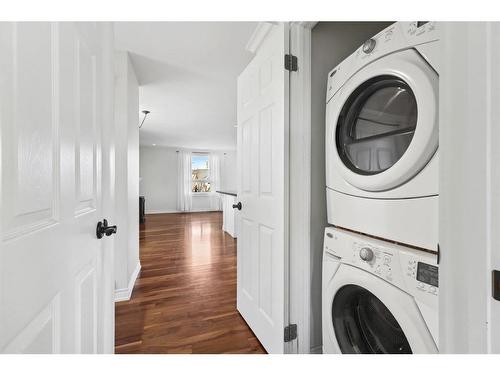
<point x="376" y="125"/>
<point x="364" y="325"/>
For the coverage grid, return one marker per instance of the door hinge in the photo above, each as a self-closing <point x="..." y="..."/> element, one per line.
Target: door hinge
<point x="290" y="332"/>
<point x="291" y="63"/>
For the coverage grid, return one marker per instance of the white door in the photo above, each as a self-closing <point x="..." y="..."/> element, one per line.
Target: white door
<point x="262" y="190"/>
<point x="51" y="263"/>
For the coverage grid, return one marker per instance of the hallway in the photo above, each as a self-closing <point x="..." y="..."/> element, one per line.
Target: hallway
<point x="184" y="300"/>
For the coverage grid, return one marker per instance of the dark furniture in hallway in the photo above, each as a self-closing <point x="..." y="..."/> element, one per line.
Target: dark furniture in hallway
<point x="142" y="209"/>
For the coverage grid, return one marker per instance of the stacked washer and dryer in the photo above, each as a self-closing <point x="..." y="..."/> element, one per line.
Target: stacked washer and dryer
<point x="380" y="273"/>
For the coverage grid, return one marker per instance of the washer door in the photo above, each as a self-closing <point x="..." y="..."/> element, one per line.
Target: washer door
<point x="383" y="123"/>
<point x="369" y="315"/>
<point x="364" y="325"/>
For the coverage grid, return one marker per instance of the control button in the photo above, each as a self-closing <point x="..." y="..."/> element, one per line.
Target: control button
<point x="433" y="290"/>
<point x="377" y="270"/>
<point x="366" y="254"/>
<point x="420" y="286"/>
<point x="387" y="259"/>
<point x="389" y="273"/>
<point x="369" y="45"/>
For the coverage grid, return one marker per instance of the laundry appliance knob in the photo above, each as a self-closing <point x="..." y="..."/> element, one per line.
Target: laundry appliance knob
<point x="369" y="45"/>
<point x="366" y="254"/>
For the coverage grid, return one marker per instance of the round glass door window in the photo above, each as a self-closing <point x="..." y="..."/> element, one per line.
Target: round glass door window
<point x="364" y="325"/>
<point x="376" y="125"/>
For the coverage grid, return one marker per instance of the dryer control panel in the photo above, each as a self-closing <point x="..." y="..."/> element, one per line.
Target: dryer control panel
<point x="397" y="37"/>
<point x="411" y="270"/>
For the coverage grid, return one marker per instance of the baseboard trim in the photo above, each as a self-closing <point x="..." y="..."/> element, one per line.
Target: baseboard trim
<point x="124" y="294"/>
<point x="154" y="212"/>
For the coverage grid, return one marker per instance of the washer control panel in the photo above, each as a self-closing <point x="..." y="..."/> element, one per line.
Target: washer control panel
<point x="422" y="275"/>
<point x="412" y="270"/>
<point x="375" y="259"/>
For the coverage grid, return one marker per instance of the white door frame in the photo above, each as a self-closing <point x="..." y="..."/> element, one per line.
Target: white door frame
<point x="300" y="187"/>
<point x="469" y="187"/>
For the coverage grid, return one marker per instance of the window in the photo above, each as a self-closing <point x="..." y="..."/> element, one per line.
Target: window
<point x="200" y="171"/>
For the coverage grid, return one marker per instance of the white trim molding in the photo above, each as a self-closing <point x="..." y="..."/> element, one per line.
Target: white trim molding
<point x="124" y="294"/>
<point x="258" y="36"/>
<point x="300" y="185"/>
<point x="155" y="212"/>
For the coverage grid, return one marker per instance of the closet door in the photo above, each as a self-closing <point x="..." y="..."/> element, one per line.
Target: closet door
<point x="262" y="163"/>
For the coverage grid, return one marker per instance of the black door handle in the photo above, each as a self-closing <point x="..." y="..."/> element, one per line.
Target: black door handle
<point x="238" y="206"/>
<point x="103" y="229"/>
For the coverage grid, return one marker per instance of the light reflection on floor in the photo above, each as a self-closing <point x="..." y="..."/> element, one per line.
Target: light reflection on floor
<point x="201" y="246"/>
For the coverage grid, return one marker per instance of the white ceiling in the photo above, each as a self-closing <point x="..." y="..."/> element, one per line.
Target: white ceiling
<point x="187" y="74"/>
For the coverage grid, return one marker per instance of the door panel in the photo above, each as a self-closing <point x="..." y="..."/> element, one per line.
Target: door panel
<point x="262" y="129"/>
<point x="42" y="335"/>
<point x="50" y="187"/>
<point x="29" y="144"/>
<point x="86" y="310"/>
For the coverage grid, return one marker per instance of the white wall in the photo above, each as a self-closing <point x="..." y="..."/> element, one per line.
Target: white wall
<point x="127" y="173"/>
<point x="228" y="171"/>
<point x="158" y="172"/>
<point x="331" y="42"/>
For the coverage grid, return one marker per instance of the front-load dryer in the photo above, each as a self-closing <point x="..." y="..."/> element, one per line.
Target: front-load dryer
<point x="382" y="136"/>
<point x="377" y="297"/>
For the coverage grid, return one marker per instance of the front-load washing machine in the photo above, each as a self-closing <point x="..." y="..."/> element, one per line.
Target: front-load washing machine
<point x="378" y="297"/>
<point x="382" y="136"/>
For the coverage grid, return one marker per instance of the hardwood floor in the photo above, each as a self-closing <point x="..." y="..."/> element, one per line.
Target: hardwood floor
<point x="184" y="300"/>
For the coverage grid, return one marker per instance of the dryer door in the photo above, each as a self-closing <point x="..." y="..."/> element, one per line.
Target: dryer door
<point x="376" y="125"/>
<point x="383" y="123"/>
<point x="370" y="315"/>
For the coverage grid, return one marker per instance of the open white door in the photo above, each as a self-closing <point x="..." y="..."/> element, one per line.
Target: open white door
<point x="262" y="190"/>
<point x="51" y="113"/>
